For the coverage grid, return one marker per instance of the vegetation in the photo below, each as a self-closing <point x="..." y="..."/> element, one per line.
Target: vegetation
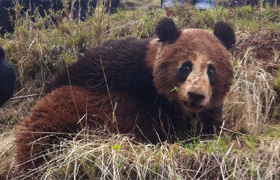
<point x="248" y="147"/>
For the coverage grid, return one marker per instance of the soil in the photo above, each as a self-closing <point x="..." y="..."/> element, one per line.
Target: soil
<point x="265" y="46"/>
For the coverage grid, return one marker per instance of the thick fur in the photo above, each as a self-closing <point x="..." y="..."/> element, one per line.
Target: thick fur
<point x="225" y="33"/>
<point x="124" y="62"/>
<point x="167" y="31"/>
<point x="190" y="44"/>
<point x="7" y="78"/>
<point x="128" y="73"/>
<point x="150" y="119"/>
<point x="128" y="87"/>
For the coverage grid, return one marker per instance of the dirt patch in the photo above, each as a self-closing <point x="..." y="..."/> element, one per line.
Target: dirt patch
<point x="262" y="50"/>
<point x="263" y="47"/>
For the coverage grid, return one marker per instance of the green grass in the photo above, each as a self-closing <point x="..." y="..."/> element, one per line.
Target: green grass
<point x="247" y="148"/>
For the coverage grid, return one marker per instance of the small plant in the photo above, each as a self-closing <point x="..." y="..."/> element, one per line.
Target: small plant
<point x="175" y="89"/>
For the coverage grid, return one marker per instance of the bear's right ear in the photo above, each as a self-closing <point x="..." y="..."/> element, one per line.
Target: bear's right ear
<point x="167" y="31"/>
<point x="225" y="34"/>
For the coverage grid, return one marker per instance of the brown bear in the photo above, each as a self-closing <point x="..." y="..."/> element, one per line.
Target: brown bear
<point x="156" y="89"/>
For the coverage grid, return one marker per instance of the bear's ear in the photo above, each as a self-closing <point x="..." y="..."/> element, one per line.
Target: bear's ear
<point x="167" y="31"/>
<point x="225" y="34"/>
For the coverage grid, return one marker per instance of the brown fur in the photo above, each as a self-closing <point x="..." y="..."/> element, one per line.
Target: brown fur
<point x="140" y="78"/>
<point x="189" y="45"/>
<point x="61" y="110"/>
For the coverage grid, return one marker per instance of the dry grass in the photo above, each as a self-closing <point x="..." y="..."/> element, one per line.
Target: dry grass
<point x="6" y="153"/>
<point x="248" y="106"/>
<point x="111" y="156"/>
<point x="248" y="147"/>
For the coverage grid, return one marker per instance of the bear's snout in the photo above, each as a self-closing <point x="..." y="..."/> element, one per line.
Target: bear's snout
<point x="196" y="98"/>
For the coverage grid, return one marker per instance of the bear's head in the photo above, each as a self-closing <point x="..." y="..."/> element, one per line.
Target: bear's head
<point x="192" y="67"/>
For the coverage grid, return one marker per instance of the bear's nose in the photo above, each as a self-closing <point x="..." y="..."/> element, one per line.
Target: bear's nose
<point x="196" y="98"/>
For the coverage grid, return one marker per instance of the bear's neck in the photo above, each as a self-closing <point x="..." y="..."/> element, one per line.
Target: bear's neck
<point x="152" y="52"/>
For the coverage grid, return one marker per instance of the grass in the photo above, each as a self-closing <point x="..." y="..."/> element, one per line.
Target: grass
<point x="248" y="146"/>
<point x="119" y="157"/>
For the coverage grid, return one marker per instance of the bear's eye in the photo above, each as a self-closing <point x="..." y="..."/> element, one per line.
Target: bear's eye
<point x="211" y="70"/>
<point x="184" y="71"/>
<point x="187" y="66"/>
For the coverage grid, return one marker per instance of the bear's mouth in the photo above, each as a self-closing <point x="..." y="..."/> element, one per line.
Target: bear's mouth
<point x="193" y="106"/>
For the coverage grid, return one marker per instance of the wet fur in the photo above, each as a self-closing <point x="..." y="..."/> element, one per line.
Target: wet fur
<point x="133" y="78"/>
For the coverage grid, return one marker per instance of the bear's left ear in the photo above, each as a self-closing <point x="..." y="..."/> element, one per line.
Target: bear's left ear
<point x="225" y="34"/>
<point x="167" y="31"/>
